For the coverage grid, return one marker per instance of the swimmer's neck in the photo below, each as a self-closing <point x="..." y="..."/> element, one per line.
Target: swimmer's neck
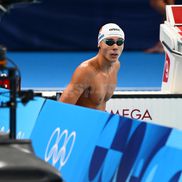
<point x="102" y="63"/>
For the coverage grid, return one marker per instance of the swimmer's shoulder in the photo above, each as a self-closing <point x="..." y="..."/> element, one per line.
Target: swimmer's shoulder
<point x="88" y="67"/>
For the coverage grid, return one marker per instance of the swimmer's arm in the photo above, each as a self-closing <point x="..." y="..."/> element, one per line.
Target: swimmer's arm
<point x="78" y="84"/>
<point x="71" y="94"/>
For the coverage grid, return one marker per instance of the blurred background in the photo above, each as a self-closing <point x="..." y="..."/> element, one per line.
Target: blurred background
<point x="52" y="37"/>
<point x="73" y="25"/>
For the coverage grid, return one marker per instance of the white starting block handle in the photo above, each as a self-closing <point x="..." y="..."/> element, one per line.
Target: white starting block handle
<point x="171" y="50"/>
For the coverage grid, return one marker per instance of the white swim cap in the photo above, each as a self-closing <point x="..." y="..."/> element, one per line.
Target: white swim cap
<point x="110" y="30"/>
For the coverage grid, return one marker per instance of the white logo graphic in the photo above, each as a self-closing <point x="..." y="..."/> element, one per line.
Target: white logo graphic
<point x="19" y="135"/>
<point x="60" y="153"/>
<point x="2" y="129"/>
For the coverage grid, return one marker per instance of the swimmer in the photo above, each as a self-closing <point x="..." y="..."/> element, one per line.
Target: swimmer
<point x="94" y="80"/>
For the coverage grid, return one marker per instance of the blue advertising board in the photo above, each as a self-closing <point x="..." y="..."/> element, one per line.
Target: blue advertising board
<point x="87" y="145"/>
<point x="26" y="114"/>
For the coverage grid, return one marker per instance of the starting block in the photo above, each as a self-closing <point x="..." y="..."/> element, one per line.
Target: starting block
<point x="171" y="39"/>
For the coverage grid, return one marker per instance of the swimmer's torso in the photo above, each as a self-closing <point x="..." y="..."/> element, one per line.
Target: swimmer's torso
<point x="100" y="90"/>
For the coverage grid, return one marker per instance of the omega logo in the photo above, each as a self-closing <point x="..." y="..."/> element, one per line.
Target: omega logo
<point x="135" y="114"/>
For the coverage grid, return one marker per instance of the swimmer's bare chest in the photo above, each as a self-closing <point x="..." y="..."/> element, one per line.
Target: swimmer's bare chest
<point x="100" y="90"/>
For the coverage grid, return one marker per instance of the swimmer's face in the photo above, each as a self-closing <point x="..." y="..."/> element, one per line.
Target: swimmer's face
<point x="111" y="48"/>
